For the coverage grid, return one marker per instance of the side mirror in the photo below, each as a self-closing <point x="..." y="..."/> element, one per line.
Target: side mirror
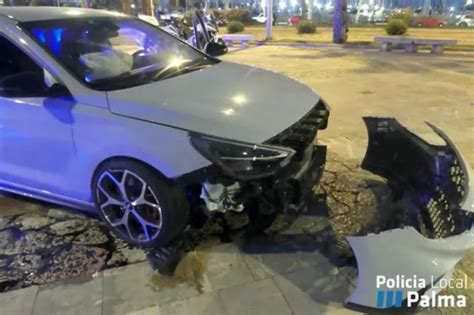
<point x="215" y="48"/>
<point x="58" y="90"/>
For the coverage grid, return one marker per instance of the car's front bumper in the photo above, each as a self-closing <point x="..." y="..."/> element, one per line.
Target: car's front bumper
<point x="436" y="180"/>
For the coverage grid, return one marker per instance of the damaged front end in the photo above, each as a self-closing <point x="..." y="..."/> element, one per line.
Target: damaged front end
<point x="259" y="179"/>
<point x="439" y="225"/>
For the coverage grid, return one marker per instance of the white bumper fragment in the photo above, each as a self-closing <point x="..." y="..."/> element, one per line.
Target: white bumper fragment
<point x="440" y="181"/>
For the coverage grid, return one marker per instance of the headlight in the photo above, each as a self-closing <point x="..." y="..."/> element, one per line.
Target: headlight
<point x="242" y="160"/>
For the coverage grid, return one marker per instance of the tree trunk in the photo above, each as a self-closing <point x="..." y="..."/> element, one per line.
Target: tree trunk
<point x="126" y="6"/>
<point x="340" y="22"/>
<point x="147" y="7"/>
<point x="303" y="8"/>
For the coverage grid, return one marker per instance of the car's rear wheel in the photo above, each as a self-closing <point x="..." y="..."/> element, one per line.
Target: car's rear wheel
<point x="463" y="24"/>
<point x="138" y="204"/>
<point x="440" y="25"/>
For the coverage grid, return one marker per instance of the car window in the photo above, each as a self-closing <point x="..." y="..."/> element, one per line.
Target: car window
<point x="20" y="76"/>
<point x="115" y="52"/>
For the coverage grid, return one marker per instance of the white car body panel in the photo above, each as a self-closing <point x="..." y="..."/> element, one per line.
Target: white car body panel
<point x="403" y="253"/>
<point x="100" y="135"/>
<point x="34" y="133"/>
<point x="466" y="20"/>
<point x="206" y="101"/>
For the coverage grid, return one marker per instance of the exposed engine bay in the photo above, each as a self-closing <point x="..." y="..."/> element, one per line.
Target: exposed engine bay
<point x="219" y="197"/>
<point x="263" y="180"/>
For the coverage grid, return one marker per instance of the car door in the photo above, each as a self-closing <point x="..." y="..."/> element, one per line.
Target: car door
<point x="36" y="145"/>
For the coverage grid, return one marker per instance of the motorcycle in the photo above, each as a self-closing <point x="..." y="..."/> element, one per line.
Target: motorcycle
<point x="201" y="34"/>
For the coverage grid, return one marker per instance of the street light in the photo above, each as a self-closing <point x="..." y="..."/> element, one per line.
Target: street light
<point x="269" y="19"/>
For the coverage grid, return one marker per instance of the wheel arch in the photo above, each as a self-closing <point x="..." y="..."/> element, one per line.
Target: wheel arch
<point x="126" y="158"/>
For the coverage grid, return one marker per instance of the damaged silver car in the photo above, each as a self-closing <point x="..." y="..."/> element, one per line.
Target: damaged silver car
<point x="150" y="134"/>
<point x="145" y="130"/>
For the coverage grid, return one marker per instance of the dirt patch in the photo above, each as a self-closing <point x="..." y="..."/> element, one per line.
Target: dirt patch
<point x="190" y="269"/>
<point x="43" y="245"/>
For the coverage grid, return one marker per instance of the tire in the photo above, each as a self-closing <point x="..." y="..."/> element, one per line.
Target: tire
<point x="463" y="24"/>
<point x="419" y="25"/>
<point x="440" y="25"/>
<point x="138" y="204"/>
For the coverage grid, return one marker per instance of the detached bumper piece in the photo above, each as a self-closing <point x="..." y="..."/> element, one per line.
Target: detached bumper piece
<point x="439" y="182"/>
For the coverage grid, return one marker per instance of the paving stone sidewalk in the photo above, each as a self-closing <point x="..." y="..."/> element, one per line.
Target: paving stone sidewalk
<point x="226" y="286"/>
<point x="301" y="266"/>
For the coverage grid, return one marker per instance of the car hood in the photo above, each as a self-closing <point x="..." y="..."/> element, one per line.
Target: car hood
<point x="227" y="100"/>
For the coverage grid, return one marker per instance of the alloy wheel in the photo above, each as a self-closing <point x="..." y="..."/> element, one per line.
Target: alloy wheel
<point x="129" y="205"/>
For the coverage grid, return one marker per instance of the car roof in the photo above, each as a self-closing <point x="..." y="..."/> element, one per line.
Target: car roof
<point x="30" y="14"/>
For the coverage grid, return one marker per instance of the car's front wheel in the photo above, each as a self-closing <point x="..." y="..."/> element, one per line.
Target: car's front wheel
<point x="137" y="203"/>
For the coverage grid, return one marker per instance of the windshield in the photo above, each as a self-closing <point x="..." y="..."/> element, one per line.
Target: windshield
<point x="116" y="52"/>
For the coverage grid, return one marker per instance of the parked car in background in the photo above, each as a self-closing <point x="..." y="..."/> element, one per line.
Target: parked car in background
<point x="295" y="20"/>
<point x="379" y="16"/>
<point x="429" y="22"/>
<point x="466" y="20"/>
<point x="261" y="18"/>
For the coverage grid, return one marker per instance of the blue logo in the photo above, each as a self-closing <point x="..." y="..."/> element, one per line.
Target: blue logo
<point x="390" y="298"/>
